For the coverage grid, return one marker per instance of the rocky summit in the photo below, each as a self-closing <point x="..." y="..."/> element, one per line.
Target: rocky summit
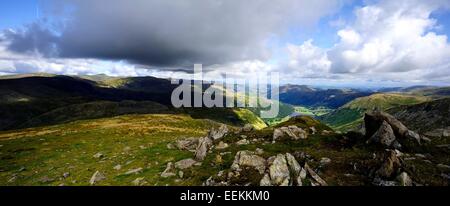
<point x="293" y="154"/>
<point x="291" y="133"/>
<point x="384" y="129"/>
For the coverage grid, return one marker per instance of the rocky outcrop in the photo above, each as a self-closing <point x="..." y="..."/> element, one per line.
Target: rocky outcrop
<point x="298" y="173"/>
<point x="204" y="144"/>
<point x="374" y="120"/>
<point x="265" y="181"/>
<point x="384" y="129"/>
<point x="189" y="144"/>
<point x="390" y="171"/>
<point x="247" y="169"/>
<point x="289" y="133"/>
<point x="96" y="177"/>
<point x="384" y="136"/>
<point x="218" y="133"/>
<point x="390" y="165"/>
<point x="248" y="159"/>
<point x="318" y="180"/>
<point x="184" y="164"/>
<point x="171" y="168"/>
<point x="284" y="170"/>
<point x="201" y="146"/>
<point x="247" y="128"/>
<point x="279" y="170"/>
<point x="243" y="142"/>
<point x="404" y="179"/>
<point x="169" y="171"/>
<point x="221" y="145"/>
<point x="98" y="155"/>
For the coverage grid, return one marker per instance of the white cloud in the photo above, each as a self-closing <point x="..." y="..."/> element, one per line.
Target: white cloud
<point x="349" y="38"/>
<point x="390" y="40"/>
<point x="311" y="59"/>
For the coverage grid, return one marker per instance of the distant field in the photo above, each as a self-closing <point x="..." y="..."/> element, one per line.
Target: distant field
<point x="312" y="111"/>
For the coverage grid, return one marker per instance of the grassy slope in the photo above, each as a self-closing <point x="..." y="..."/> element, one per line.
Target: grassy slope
<point x="139" y="141"/>
<point x="93" y="110"/>
<point x="349" y="116"/>
<point x="384" y="101"/>
<point x="248" y="116"/>
<point x="132" y="140"/>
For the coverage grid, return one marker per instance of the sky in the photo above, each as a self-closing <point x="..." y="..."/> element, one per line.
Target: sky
<point x="367" y="43"/>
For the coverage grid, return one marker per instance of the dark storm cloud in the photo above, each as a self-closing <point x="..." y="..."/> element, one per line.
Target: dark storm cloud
<point x="34" y="38"/>
<point x="165" y="33"/>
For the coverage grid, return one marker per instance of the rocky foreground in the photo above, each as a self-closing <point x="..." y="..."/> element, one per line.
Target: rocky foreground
<point x="304" y="152"/>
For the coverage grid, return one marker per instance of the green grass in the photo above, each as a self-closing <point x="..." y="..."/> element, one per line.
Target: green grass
<point x="140" y="141"/>
<point x="384" y="101"/>
<point x="275" y="121"/>
<point x="250" y="117"/>
<point x="132" y="141"/>
<point x="344" y="117"/>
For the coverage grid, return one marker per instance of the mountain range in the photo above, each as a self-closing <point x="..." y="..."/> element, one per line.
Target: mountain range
<point x="101" y="130"/>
